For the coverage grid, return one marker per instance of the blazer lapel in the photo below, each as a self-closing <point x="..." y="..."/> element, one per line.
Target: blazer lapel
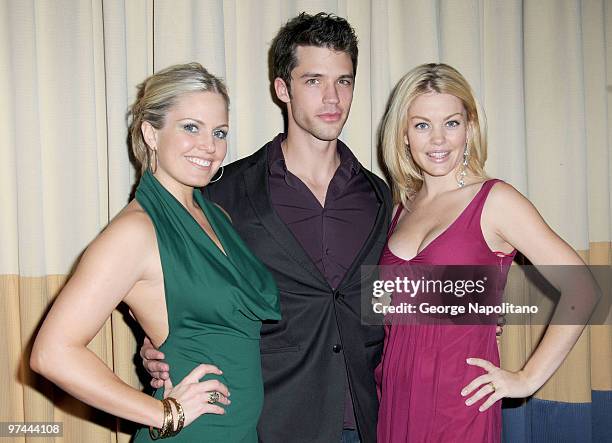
<point x="258" y="191"/>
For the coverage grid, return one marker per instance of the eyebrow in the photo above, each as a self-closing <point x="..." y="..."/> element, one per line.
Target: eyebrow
<point x="201" y="122"/>
<point x="317" y="75"/>
<point x="310" y="74"/>
<point x="445" y="118"/>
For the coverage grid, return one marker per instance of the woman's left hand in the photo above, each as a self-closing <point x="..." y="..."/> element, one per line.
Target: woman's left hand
<point x="497" y="383"/>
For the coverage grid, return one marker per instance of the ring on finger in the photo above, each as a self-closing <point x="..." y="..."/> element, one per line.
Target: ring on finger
<point x="213" y="397"/>
<point x="492" y="386"/>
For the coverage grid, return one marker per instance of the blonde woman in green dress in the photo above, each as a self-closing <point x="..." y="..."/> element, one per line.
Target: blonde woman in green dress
<point x="190" y="281"/>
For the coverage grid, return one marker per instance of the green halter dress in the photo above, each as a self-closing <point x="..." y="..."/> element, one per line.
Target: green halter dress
<point x="215" y="305"/>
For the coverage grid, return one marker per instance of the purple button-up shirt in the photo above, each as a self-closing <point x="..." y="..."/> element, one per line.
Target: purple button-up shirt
<point x="331" y="235"/>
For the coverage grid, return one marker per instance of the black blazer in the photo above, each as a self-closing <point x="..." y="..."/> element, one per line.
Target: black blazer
<point x="320" y="343"/>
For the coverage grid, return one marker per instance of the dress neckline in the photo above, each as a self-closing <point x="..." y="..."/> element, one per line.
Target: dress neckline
<point x="202" y="204"/>
<point x="400" y="209"/>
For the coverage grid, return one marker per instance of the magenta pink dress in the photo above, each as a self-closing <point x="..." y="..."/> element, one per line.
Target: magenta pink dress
<point x="423" y="367"/>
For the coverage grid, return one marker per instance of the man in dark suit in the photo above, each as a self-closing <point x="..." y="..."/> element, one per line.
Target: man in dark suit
<point x="314" y="216"/>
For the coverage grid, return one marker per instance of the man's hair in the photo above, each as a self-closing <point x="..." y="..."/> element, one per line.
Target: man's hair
<point x="321" y="30"/>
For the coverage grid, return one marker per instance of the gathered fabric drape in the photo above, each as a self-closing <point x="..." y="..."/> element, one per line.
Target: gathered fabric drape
<point x="542" y="70"/>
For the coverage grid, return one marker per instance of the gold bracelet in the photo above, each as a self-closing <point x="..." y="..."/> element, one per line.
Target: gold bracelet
<point x="181" y="416"/>
<point x="166" y="428"/>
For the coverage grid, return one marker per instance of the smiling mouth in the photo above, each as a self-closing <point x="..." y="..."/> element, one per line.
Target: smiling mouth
<point x="438" y="155"/>
<point x="199" y="161"/>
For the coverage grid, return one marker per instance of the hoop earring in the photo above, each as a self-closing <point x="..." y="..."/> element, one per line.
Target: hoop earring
<point x="153" y="159"/>
<point x="220" y="175"/>
<point x="462" y="171"/>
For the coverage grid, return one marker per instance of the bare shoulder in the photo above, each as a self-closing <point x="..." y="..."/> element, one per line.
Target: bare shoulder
<point x="131" y="232"/>
<point x="514" y="219"/>
<point x="132" y="222"/>
<point x="124" y="253"/>
<point x="507" y="210"/>
<point x="505" y="197"/>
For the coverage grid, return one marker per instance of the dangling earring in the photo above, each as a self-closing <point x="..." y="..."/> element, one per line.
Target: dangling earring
<point x="153" y="160"/>
<point x="220" y="175"/>
<point x="408" y="153"/>
<point x="462" y="171"/>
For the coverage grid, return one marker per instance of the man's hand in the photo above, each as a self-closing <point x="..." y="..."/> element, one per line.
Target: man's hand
<point x="152" y="360"/>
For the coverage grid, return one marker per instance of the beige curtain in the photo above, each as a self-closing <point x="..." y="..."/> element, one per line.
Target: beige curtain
<point x="68" y="70"/>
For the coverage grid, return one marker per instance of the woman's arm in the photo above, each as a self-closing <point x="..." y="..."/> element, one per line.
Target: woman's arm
<point x="512" y="218"/>
<point x="121" y="258"/>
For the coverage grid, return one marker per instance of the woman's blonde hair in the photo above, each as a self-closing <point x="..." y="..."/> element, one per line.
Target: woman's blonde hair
<point x="406" y="176"/>
<point x="157" y="94"/>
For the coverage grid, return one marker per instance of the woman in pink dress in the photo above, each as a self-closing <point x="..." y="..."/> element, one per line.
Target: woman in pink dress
<point x="443" y="382"/>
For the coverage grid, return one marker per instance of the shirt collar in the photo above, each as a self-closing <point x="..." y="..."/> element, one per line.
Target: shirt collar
<point x="349" y="165"/>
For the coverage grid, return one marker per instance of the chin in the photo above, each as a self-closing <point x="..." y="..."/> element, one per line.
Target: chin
<point x="198" y="180"/>
<point x="438" y="173"/>
<point x="327" y="134"/>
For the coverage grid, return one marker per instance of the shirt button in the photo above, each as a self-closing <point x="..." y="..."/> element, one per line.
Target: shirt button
<point x="337" y="348"/>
